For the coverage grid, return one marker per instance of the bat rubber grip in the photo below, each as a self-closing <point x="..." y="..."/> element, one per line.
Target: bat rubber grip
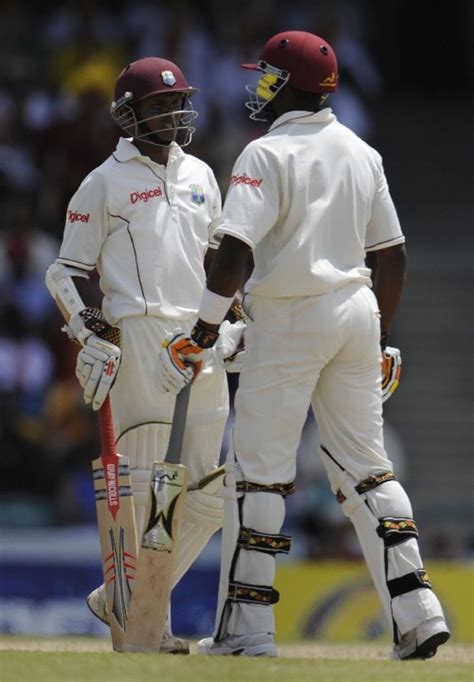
<point x="107" y="438"/>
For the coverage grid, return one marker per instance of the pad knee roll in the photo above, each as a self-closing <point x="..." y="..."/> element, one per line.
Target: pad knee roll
<point x="143" y="445"/>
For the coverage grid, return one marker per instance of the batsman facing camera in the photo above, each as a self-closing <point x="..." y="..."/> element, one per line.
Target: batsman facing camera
<point x="145" y="218"/>
<point x="157" y="121"/>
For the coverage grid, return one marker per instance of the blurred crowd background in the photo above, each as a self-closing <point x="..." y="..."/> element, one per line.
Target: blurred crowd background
<point x="406" y="71"/>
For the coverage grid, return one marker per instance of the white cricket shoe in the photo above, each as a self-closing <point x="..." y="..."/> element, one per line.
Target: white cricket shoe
<point x="423" y="641"/>
<point x="260" y="644"/>
<point x="169" y="643"/>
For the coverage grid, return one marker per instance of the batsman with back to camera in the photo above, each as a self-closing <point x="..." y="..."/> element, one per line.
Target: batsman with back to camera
<point x="145" y="218"/>
<point x="310" y="199"/>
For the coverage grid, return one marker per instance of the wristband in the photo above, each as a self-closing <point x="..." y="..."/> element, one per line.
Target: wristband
<point x="204" y="338"/>
<point x="213" y="307"/>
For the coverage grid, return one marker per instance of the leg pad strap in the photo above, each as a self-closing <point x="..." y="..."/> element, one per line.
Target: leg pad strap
<point x="368" y="484"/>
<point x="252" y="594"/>
<point x="395" y="530"/>
<point x="282" y="489"/>
<point x="408" y="583"/>
<point x="263" y="542"/>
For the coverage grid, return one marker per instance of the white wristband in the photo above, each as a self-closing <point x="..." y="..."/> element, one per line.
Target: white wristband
<point x="213" y="307"/>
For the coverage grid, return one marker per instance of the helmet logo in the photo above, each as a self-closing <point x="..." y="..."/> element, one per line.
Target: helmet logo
<point x="168" y="78"/>
<point x="329" y="81"/>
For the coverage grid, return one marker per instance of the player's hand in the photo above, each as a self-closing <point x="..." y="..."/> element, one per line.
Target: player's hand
<point x="179" y="362"/>
<point x="391" y="370"/>
<point x="229" y="350"/>
<point x="96" y="368"/>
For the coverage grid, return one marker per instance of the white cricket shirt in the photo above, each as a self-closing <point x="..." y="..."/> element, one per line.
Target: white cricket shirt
<point x="310" y="198"/>
<point x="146" y="227"/>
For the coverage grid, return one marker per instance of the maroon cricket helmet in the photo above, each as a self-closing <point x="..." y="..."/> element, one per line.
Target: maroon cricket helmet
<point x="308" y="60"/>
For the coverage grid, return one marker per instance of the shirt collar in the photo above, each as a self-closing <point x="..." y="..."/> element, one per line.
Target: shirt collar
<point x="126" y="150"/>
<point x="322" y="116"/>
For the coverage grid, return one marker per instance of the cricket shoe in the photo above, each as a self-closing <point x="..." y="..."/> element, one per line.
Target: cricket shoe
<point x="423" y="641"/>
<point x="260" y="644"/>
<point x="169" y="643"/>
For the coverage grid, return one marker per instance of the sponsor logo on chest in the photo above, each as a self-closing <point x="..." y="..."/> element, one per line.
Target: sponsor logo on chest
<point x="76" y="217"/>
<point x="245" y="180"/>
<point x="145" y="195"/>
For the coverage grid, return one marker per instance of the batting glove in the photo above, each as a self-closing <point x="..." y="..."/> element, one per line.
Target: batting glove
<point x="229" y="351"/>
<point x="391" y="370"/>
<point x="179" y="362"/>
<point x="96" y="368"/>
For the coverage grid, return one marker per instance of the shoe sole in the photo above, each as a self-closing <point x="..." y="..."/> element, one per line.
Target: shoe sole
<point x="429" y="648"/>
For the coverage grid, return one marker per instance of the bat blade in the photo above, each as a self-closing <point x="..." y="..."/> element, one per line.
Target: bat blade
<point x="117" y="531"/>
<point x="152" y="586"/>
<point x="153" y="582"/>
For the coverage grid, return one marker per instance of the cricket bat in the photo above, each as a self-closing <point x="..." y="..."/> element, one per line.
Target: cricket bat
<point x="156" y="554"/>
<point x="116" y="522"/>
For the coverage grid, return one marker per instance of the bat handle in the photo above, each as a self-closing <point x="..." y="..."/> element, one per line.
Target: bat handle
<point x="107" y="437"/>
<point x="175" y="442"/>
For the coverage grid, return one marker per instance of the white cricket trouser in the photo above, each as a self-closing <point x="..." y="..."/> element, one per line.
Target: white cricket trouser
<point x="319" y="350"/>
<point x="136" y="399"/>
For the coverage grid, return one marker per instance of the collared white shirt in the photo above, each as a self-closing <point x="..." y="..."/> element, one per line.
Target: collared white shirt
<point x="146" y="227"/>
<point x="310" y="198"/>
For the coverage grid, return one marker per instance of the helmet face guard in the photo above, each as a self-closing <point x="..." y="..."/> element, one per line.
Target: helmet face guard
<point x="124" y="114"/>
<point x="267" y="88"/>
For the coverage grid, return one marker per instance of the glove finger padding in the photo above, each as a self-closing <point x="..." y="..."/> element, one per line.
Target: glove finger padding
<point x="391" y="371"/>
<point x="96" y="368"/>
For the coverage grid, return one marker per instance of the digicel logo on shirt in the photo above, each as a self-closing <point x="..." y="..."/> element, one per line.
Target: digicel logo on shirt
<point x="145" y="195"/>
<point x="74" y="216"/>
<point x="245" y="180"/>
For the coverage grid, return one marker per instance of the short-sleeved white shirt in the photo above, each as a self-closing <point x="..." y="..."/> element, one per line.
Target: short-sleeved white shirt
<point x="146" y="227"/>
<point x="310" y="198"/>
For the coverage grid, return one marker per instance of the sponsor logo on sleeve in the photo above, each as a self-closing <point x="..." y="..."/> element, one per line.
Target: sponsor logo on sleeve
<point x="245" y="180"/>
<point x="145" y="195"/>
<point x="76" y="217"/>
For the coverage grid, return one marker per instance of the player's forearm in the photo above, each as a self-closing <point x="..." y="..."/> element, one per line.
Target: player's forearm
<point x="228" y="265"/>
<point x="389" y="282"/>
<point x="225" y="277"/>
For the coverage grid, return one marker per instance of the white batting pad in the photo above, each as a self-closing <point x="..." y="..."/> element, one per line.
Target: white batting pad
<point x="365" y="511"/>
<point x="143" y="445"/>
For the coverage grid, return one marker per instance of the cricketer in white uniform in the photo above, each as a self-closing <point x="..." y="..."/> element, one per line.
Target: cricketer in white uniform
<point x="310" y="199"/>
<point x="145" y="219"/>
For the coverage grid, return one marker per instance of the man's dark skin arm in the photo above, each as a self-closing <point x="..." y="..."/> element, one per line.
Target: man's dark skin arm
<point x="226" y="271"/>
<point x="389" y="282"/>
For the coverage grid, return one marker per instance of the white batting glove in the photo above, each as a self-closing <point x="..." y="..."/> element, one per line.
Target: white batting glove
<point x="228" y="350"/>
<point x="96" y="368"/>
<point x="391" y="370"/>
<point x="179" y="362"/>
